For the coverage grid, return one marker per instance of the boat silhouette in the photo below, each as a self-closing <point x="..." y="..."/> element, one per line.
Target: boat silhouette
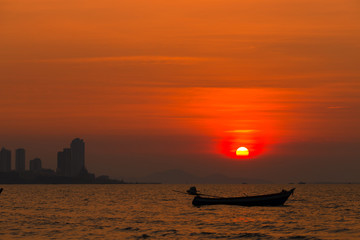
<point x="275" y="199"/>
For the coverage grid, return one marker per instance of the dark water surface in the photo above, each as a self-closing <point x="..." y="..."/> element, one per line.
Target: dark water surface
<point x="156" y="212"/>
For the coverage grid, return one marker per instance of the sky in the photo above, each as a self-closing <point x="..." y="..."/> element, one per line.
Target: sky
<point x="158" y="85"/>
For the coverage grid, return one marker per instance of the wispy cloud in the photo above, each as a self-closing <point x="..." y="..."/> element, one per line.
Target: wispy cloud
<point x="336" y="107"/>
<point x="243" y="131"/>
<point x="147" y="59"/>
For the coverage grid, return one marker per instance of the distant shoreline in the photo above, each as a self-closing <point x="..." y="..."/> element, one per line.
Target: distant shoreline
<point x="124" y="183"/>
<point x="49" y="177"/>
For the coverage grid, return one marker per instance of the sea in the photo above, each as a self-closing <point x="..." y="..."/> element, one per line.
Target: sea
<point x="156" y="211"/>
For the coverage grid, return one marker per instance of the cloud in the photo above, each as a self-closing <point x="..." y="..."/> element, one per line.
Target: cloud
<point x="242" y="131"/>
<point x="147" y="59"/>
<point x="337" y="107"/>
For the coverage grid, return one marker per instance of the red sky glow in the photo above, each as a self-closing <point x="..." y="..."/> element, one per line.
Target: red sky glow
<point x="157" y="85"/>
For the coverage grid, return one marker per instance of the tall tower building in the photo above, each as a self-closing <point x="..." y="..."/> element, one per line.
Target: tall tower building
<point x="67" y="161"/>
<point x="77" y="156"/>
<point x="35" y="164"/>
<point x="5" y="160"/>
<point x="20" y="160"/>
<point x="64" y="162"/>
<point x="60" y="163"/>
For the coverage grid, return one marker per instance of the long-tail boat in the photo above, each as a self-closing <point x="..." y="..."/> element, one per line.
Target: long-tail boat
<point x="275" y="199"/>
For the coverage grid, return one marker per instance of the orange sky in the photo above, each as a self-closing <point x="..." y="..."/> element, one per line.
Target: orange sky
<point x="168" y="84"/>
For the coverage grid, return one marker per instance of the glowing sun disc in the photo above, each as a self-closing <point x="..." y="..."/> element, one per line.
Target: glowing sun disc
<point x="242" y="151"/>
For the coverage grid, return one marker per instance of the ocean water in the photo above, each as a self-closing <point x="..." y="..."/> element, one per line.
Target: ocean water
<point x="157" y="212"/>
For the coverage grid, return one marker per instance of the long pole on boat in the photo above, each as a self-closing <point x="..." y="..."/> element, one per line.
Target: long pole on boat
<point x="200" y="194"/>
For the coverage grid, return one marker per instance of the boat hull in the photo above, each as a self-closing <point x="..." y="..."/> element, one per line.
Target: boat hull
<point x="276" y="199"/>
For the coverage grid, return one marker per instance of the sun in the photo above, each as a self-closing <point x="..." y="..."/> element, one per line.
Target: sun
<point x="242" y="151"/>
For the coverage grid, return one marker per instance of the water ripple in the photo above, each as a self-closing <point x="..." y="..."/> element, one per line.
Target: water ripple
<point x="155" y="212"/>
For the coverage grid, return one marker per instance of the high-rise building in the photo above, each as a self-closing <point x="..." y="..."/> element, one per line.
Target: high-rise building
<point x="77" y="156"/>
<point x="20" y="160"/>
<point x="5" y="160"/>
<point x="35" y="164"/>
<point x="67" y="161"/>
<point x="71" y="161"/>
<point x="64" y="162"/>
<point x="60" y="163"/>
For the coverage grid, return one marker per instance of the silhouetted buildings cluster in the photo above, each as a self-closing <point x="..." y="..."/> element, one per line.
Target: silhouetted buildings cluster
<point x="70" y="168"/>
<point x="5" y="161"/>
<point x="71" y="161"/>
